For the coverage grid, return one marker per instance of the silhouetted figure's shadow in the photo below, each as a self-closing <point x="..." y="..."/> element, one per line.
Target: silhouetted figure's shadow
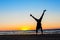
<point x="38" y="22"/>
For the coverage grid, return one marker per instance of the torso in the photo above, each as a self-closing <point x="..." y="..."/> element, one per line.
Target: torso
<point x="38" y="24"/>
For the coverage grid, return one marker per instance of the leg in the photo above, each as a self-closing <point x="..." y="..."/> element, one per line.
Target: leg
<point x="36" y="31"/>
<point x="41" y="31"/>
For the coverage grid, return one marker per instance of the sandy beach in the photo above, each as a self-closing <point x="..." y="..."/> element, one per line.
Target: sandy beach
<point x="31" y="37"/>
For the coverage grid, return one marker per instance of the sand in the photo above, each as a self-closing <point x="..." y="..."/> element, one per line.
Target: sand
<point x="31" y="37"/>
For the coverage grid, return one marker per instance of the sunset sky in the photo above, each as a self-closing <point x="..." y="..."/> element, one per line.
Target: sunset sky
<point x="15" y="14"/>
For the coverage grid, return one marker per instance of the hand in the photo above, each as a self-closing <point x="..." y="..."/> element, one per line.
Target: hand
<point x="30" y="14"/>
<point x="44" y="10"/>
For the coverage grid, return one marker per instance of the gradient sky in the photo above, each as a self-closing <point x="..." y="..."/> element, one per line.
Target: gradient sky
<point x="15" y="14"/>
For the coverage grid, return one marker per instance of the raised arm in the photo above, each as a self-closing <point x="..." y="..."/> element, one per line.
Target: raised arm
<point x="33" y="17"/>
<point x="42" y="15"/>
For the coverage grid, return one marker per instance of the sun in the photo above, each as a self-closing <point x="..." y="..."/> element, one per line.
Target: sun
<point x="24" y="28"/>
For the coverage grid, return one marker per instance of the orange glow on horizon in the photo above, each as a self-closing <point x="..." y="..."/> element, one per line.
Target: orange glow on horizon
<point x="24" y="28"/>
<point x="28" y="27"/>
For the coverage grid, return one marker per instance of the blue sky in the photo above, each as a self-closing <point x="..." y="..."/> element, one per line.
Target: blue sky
<point x="14" y="12"/>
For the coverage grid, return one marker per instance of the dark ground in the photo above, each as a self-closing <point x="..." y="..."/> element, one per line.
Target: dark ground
<point x="31" y="37"/>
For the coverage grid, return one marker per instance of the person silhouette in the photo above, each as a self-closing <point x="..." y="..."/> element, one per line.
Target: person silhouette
<point x="39" y="26"/>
